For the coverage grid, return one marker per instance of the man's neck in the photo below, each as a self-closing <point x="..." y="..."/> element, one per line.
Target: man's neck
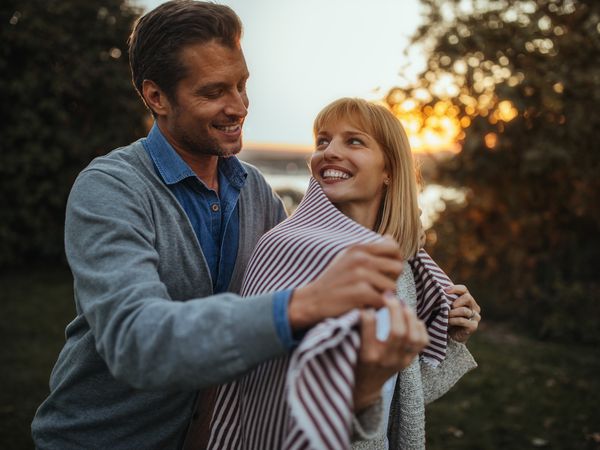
<point x="204" y="166"/>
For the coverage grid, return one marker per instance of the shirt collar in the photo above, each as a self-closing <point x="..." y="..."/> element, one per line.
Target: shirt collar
<point x="172" y="168"/>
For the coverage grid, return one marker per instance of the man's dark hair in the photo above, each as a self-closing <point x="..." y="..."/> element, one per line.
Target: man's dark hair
<point x="159" y="36"/>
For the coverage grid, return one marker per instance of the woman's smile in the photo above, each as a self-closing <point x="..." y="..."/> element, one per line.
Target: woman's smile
<point x="334" y="174"/>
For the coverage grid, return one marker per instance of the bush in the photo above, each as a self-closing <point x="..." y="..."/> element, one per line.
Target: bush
<point x="66" y="97"/>
<point x="525" y="78"/>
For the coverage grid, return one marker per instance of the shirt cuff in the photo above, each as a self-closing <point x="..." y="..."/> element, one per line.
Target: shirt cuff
<point x="280" y="316"/>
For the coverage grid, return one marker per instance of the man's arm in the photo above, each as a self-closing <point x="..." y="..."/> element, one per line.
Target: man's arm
<point x="145" y="338"/>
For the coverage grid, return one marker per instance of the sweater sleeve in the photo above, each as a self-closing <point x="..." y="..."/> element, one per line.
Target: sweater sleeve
<point x="145" y="338"/>
<point x="367" y="424"/>
<point x="437" y="381"/>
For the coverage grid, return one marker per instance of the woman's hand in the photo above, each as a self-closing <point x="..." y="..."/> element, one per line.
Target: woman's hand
<point x="465" y="314"/>
<point x="378" y="360"/>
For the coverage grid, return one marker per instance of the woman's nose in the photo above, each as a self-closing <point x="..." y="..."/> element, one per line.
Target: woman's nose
<point x="332" y="151"/>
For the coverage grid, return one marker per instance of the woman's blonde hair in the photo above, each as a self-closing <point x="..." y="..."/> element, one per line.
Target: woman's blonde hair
<point x="399" y="212"/>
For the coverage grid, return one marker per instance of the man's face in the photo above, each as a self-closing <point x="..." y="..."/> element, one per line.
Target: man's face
<point x="210" y="104"/>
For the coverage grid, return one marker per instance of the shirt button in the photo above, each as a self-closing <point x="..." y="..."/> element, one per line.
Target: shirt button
<point x="215" y="207"/>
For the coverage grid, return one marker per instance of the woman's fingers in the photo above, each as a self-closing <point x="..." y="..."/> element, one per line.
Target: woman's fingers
<point x="461" y="311"/>
<point x="465" y="298"/>
<point x="462" y="322"/>
<point x="458" y="289"/>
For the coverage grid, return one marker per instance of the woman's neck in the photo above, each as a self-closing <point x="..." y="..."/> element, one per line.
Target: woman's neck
<point x="364" y="214"/>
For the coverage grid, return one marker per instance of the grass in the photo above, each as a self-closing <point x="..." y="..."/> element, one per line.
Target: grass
<point x="34" y="310"/>
<point x="525" y="394"/>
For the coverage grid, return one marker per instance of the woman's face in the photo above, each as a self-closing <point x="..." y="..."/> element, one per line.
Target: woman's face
<point x="349" y="165"/>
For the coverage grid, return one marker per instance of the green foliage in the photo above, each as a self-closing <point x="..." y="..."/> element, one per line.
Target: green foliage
<point x="529" y="232"/>
<point x="66" y="97"/>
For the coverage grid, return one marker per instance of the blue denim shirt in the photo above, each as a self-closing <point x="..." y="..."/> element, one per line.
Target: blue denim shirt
<point x="214" y="216"/>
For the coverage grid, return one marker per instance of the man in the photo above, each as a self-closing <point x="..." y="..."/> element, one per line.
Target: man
<point x="157" y="236"/>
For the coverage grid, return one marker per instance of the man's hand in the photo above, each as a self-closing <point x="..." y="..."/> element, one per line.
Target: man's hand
<point x="356" y="278"/>
<point x="465" y="314"/>
<point x="379" y="360"/>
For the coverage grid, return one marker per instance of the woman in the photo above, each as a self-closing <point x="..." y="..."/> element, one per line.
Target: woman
<point x="363" y="181"/>
<point x="364" y="165"/>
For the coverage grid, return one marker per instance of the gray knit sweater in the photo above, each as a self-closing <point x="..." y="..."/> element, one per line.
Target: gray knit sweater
<point x="416" y="386"/>
<point x="149" y="332"/>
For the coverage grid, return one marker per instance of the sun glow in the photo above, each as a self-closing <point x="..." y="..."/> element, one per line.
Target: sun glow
<point x="430" y="129"/>
<point x="441" y="126"/>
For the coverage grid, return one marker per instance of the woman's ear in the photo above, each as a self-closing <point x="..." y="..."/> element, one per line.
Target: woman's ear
<point x="386" y="178"/>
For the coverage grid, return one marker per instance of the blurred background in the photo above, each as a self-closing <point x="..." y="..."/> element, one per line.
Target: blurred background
<point x="499" y="99"/>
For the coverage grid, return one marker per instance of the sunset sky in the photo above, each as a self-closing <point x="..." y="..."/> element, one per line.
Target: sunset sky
<point x="302" y="55"/>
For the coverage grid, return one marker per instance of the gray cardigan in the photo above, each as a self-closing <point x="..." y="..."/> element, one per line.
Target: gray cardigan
<point x="149" y="332"/>
<point x="416" y="386"/>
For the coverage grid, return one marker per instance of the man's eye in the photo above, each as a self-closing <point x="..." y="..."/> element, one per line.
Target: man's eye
<point x="214" y="93"/>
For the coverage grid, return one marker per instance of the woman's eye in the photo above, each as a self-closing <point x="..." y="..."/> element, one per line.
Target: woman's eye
<point x="321" y="142"/>
<point x="355" y="141"/>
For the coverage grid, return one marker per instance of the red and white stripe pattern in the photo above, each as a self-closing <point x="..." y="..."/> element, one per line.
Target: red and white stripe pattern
<point x="304" y="401"/>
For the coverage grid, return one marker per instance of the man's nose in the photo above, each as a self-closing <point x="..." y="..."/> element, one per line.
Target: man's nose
<point x="237" y="106"/>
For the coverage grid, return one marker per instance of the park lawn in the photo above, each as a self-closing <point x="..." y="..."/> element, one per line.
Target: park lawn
<point x="525" y="394"/>
<point x="35" y="307"/>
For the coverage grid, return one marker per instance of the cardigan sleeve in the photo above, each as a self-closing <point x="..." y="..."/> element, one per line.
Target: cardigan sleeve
<point x="146" y="339"/>
<point x="367" y="423"/>
<point x="437" y="381"/>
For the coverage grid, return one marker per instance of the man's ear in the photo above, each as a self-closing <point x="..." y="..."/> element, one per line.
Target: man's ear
<point x="155" y="98"/>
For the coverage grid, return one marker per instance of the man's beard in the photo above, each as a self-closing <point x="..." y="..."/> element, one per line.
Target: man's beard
<point x="202" y="145"/>
<point x="205" y="146"/>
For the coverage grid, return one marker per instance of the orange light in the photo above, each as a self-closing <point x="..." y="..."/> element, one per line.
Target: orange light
<point x="430" y="128"/>
<point x="506" y="111"/>
<point x="491" y="139"/>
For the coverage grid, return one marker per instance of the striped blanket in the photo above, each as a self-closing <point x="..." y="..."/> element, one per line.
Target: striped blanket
<point x="304" y="401"/>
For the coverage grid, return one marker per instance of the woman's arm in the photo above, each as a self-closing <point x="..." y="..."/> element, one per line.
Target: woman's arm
<point x="463" y="318"/>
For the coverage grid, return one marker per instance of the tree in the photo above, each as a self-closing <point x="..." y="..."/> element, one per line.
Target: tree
<point x="523" y="80"/>
<point x="66" y="97"/>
